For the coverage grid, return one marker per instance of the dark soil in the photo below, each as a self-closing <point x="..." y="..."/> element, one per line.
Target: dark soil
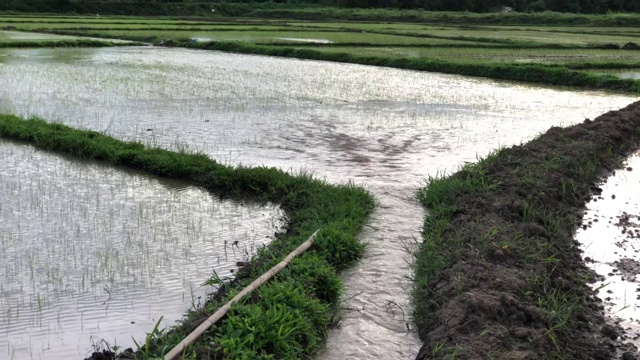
<point x="515" y="285"/>
<point x="629" y="268"/>
<point x="631" y="46"/>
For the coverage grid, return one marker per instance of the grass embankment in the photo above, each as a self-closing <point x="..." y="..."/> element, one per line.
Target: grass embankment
<point x="533" y="73"/>
<point x="499" y="274"/>
<point x="80" y="43"/>
<point x="284" y="319"/>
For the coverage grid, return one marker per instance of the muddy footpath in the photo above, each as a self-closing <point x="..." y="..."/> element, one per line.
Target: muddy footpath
<point x="514" y="284"/>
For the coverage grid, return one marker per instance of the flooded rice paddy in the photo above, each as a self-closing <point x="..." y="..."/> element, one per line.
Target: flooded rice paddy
<point x="89" y="252"/>
<point x="610" y="238"/>
<point x="386" y="129"/>
<point x="30" y="36"/>
<point x="8" y="36"/>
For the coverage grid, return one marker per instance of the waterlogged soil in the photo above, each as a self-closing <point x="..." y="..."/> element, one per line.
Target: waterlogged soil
<point x="89" y="252"/>
<point x="6" y="35"/>
<point x="519" y="291"/>
<point x="610" y="237"/>
<point x="383" y="128"/>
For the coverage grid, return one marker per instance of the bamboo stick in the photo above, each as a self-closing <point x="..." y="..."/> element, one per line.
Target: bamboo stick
<point x="195" y="334"/>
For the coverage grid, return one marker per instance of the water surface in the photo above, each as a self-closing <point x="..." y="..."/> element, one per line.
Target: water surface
<point x="383" y="128"/>
<point x="609" y="238"/>
<point x="633" y="74"/>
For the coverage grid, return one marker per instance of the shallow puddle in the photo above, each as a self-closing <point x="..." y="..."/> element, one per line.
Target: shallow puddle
<point x="630" y="75"/>
<point x="610" y="238"/>
<point x="384" y="128"/>
<point x="89" y="252"/>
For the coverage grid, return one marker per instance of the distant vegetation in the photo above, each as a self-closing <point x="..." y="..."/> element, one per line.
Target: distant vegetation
<point x="246" y="7"/>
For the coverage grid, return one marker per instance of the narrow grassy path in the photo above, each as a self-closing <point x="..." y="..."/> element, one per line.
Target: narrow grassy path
<point x="547" y="74"/>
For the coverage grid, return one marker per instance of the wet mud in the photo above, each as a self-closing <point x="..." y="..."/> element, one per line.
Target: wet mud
<point x="610" y="237"/>
<point x="516" y="286"/>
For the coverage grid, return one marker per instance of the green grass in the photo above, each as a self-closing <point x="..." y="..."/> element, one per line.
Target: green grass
<point x="149" y="25"/>
<point x="283" y="320"/>
<point x="526" y="36"/>
<point x="566" y="36"/>
<point x="448" y="18"/>
<point x="505" y="203"/>
<point x="267" y="36"/>
<point x="572" y="58"/>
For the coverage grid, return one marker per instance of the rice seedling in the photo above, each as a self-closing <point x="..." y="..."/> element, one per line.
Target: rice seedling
<point x="65" y="246"/>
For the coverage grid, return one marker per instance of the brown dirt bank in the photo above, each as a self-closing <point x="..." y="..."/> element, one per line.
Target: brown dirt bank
<point x="499" y="274"/>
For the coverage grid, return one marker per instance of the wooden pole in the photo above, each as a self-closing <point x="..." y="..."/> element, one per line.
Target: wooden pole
<point x="195" y="334"/>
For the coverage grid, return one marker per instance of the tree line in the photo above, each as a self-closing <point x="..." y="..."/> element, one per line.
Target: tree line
<point x="150" y="7"/>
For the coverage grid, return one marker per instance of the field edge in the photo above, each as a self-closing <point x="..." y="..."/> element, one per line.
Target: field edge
<point x="285" y="318"/>
<point x="499" y="274"/>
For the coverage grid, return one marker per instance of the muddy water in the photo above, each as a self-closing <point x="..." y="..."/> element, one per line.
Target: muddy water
<point x="91" y="252"/>
<point x="610" y="238"/>
<point x="383" y="128"/>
